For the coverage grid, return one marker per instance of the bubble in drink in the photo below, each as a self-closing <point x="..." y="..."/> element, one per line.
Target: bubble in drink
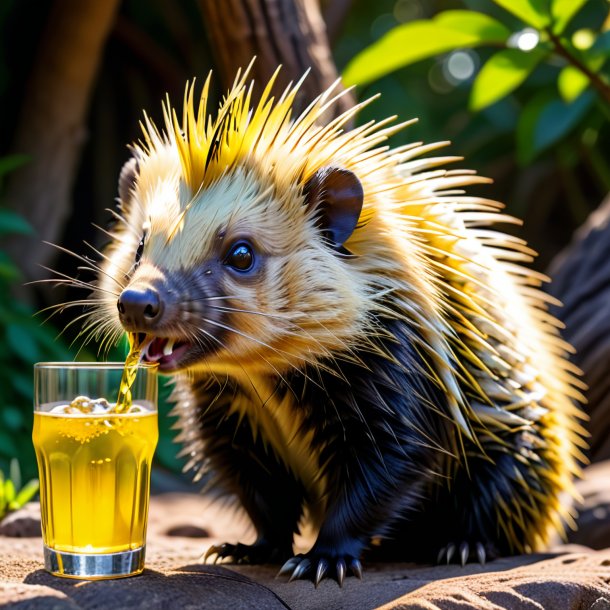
<point x="86" y="405"/>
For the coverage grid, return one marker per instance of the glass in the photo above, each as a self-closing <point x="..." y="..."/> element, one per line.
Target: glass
<point x="94" y="469"/>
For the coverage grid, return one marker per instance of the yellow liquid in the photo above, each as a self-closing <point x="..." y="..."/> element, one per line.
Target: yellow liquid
<point x="129" y="374"/>
<point x="94" y="479"/>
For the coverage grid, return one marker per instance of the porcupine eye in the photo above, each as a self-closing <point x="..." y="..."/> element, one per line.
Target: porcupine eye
<point x="139" y="252"/>
<point x="240" y="257"/>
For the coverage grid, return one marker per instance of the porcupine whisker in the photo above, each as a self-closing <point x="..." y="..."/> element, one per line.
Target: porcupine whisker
<point x="123" y="220"/>
<point x="301" y="372"/>
<point x="228" y="351"/>
<point x="283" y="319"/>
<point x="61" y="307"/>
<point x="90" y="264"/>
<point x="100" y="254"/>
<point x="325" y="351"/>
<point x="66" y="280"/>
<point x="89" y="332"/>
<point x="105" y="232"/>
<point x="268" y="363"/>
<point x="327" y="354"/>
<point x="110" y="336"/>
<point x="258" y="341"/>
<point x="58" y="307"/>
<point x="84" y="316"/>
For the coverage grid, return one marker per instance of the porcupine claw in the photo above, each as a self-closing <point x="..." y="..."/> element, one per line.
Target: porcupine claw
<point x="464" y="552"/>
<point x="450" y="552"/>
<point x="323" y="566"/>
<point x="356" y="567"/>
<point x="316" y="568"/>
<point x="290" y="565"/>
<point x="480" y="553"/>
<point x="211" y="551"/>
<point x="259" y="552"/>
<point x="301" y="570"/>
<point x="341" y="571"/>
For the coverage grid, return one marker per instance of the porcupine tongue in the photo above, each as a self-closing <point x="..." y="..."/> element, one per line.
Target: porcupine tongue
<point x="158" y="348"/>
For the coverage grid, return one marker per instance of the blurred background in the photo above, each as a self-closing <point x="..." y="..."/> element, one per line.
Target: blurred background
<point x="520" y="94"/>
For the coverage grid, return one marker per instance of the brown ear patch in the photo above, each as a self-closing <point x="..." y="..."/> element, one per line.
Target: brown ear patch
<point x="337" y="195"/>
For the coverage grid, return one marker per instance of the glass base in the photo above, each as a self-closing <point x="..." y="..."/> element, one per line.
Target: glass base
<point x="91" y="566"/>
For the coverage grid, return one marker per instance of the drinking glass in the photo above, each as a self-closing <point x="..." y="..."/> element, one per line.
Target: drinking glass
<point x="94" y="468"/>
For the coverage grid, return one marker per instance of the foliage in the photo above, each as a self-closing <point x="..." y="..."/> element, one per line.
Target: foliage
<point x="23" y="341"/>
<point x="12" y="494"/>
<point x="543" y="35"/>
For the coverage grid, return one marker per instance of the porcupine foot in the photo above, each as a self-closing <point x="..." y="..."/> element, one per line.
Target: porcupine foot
<point x="316" y="566"/>
<point x="262" y="551"/>
<point x="466" y="552"/>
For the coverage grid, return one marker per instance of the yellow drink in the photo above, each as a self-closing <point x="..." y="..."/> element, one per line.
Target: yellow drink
<point x="129" y="372"/>
<point x="94" y="479"/>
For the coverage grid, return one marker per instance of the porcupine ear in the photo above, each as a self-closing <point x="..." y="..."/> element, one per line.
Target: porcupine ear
<point x="337" y="195"/>
<point x="127" y="180"/>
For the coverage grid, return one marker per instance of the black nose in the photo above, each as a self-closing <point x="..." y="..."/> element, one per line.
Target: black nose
<point x="139" y="305"/>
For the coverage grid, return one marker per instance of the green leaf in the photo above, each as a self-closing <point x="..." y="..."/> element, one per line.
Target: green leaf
<point x="8" y="269"/>
<point x="417" y="40"/>
<point x="501" y="74"/>
<point x="9" y="491"/>
<point x="571" y="83"/>
<point x="486" y="28"/>
<point x="532" y="12"/>
<point x="562" y="12"/>
<point x="15" y="473"/>
<point x="545" y="120"/>
<point x="10" y="222"/>
<point x="2" y="498"/>
<point x="11" y="163"/>
<point x="558" y="118"/>
<point x="27" y="492"/>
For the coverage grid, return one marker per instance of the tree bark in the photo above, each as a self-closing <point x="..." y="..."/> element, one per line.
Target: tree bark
<point x="581" y="280"/>
<point x="51" y="127"/>
<point x="287" y="32"/>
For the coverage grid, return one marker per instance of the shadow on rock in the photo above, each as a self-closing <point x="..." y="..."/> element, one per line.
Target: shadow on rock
<point x="193" y="587"/>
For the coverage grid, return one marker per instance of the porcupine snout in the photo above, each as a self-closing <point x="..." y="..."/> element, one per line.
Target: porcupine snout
<point x="140" y="307"/>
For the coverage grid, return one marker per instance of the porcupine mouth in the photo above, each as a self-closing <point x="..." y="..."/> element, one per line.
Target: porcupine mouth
<point x="166" y="352"/>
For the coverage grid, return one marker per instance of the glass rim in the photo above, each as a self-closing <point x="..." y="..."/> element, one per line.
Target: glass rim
<point x="149" y="366"/>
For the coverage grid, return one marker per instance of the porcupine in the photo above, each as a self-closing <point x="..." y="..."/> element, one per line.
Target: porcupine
<point x="353" y="344"/>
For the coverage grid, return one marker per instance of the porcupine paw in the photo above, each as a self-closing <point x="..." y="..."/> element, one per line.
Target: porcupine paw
<point x="317" y="566"/>
<point x="465" y="552"/>
<point x="259" y="552"/>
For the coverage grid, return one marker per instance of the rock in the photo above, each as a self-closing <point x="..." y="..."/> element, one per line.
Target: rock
<point x="18" y="596"/>
<point x="23" y="523"/>
<point x="188" y="531"/>
<point x="572" y="581"/>
<point x="594" y="512"/>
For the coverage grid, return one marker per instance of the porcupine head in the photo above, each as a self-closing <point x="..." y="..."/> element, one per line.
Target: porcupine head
<point x="337" y="297"/>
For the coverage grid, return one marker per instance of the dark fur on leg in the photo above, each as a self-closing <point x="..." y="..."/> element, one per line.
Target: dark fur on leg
<point x="245" y="467"/>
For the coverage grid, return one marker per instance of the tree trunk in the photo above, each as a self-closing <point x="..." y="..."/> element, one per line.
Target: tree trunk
<point x="287" y="32"/>
<point x="51" y="127"/>
<point x="581" y="280"/>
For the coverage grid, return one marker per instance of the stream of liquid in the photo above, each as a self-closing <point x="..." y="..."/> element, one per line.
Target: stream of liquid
<point x="123" y="401"/>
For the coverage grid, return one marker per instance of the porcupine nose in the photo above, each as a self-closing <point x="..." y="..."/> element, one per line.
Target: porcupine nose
<point x="139" y="307"/>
